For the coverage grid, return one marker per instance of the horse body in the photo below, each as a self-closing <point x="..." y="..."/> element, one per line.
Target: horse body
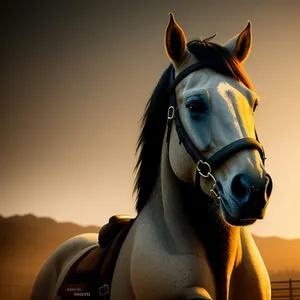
<point x="189" y="240"/>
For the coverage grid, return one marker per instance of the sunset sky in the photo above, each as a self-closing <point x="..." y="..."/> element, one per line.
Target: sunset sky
<point x="76" y="79"/>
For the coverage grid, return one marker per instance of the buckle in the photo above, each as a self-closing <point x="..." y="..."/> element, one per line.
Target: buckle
<point x="171" y="112"/>
<point x="203" y="168"/>
<point x="104" y="290"/>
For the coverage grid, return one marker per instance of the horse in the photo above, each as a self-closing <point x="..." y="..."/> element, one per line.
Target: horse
<point x="201" y="180"/>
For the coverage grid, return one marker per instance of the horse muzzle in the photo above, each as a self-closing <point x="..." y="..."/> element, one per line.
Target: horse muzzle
<point x="247" y="200"/>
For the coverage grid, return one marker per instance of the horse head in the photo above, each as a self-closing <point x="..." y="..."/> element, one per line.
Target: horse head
<point x="214" y="134"/>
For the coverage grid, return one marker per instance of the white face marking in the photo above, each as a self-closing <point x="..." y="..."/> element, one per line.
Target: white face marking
<point x="224" y="89"/>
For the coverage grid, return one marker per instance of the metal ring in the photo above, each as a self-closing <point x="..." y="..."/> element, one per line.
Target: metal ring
<point x="104" y="290"/>
<point x="203" y="163"/>
<point x="171" y="112"/>
<point x="212" y="191"/>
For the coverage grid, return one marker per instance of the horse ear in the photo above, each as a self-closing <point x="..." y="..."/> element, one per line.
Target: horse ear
<point x="240" y="45"/>
<point x="175" y="42"/>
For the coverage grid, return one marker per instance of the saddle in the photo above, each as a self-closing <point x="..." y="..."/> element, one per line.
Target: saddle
<point x="91" y="274"/>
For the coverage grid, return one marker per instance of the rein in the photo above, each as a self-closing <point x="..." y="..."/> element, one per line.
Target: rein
<point x="204" y="165"/>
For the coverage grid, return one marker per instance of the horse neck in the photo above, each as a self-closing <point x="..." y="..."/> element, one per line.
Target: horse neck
<point x="191" y="225"/>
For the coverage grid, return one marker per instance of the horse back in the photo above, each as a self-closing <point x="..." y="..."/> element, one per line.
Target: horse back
<point x="91" y="274"/>
<point x="84" y="264"/>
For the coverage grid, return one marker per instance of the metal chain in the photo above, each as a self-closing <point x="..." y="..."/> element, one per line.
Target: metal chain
<point x="213" y="192"/>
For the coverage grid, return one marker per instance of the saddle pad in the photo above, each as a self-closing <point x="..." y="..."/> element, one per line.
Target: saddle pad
<point x="91" y="274"/>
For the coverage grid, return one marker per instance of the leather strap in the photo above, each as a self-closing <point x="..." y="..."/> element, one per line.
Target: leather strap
<point x="241" y="144"/>
<point x="183" y="74"/>
<point x="109" y="263"/>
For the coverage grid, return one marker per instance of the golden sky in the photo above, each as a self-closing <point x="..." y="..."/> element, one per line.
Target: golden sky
<point x="76" y="80"/>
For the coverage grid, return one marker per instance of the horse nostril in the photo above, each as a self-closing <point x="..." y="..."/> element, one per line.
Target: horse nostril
<point x="237" y="187"/>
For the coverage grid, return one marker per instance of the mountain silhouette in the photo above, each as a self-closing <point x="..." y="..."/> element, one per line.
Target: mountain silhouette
<point x="27" y="241"/>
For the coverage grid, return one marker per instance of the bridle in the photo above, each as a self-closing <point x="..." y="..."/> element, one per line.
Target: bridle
<point x="204" y="166"/>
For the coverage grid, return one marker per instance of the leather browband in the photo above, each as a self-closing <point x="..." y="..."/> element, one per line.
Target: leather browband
<point x="183" y="74"/>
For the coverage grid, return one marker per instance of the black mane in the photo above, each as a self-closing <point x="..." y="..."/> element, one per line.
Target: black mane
<point x="154" y="120"/>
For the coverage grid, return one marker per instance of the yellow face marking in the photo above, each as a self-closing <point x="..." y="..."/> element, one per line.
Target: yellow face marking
<point x="238" y="107"/>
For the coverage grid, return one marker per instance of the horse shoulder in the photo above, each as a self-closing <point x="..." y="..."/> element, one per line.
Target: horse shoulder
<point x="57" y="265"/>
<point x="250" y="273"/>
<point x="252" y="254"/>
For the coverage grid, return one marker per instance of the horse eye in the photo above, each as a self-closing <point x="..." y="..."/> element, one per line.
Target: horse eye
<point x="196" y="107"/>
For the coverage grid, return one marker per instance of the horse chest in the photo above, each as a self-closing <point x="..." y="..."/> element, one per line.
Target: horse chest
<point x="159" y="273"/>
<point x="156" y="272"/>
